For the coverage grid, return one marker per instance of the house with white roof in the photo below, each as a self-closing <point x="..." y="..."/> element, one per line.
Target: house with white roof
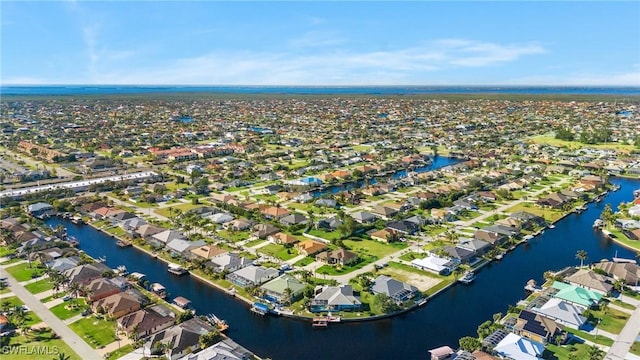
<point x="519" y="348"/>
<point x="562" y="312"/>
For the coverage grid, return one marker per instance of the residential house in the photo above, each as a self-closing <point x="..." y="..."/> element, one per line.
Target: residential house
<point x="335" y="298"/>
<point x="562" y="312"/>
<point x="84" y="274"/>
<point x="293" y="219"/>
<point x="63" y="264"/>
<point x="385" y="235"/>
<point x="384" y="212"/>
<point x="627" y="271"/>
<point x="337" y="257"/>
<point x="310" y="247"/>
<point x="100" y="288"/>
<point x="262" y="231"/>
<point x="490" y="237"/>
<point x="252" y="275"/>
<point x="228" y="262"/>
<point x="117" y="305"/>
<point x="459" y="254"/>
<point x="536" y="327"/>
<point x="435" y="264"/>
<point x="208" y="251"/>
<point x="329" y="224"/>
<point x="283" y="238"/>
<point x="221" y="218"/>
<point x="238" y="225"/>
<point x="590" y="280"/>
<point x="576" y="295"/>
<point x="517" y="347"/>
<point x="142" y="323"/>
<point x="167" y="236"/>
<point x="274" y="212"/>
<point x="403" y="227"/>
<point x="363" y="217"/>
<point x="394" y="289"/>
<point x="330" y="203"/>
<point x="479" y="247"/>
<point x="147" y="231"/>
<point x="180" y="339"/>
<point x="40" y="209"/>
<point x="226" y="349"/>
<point x="276" y="289"/>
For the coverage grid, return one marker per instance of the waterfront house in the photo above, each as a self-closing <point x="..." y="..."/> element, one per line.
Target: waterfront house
<point x="180" y="339"/>
<point x="142" y="323"/>
<point x="503" y="230"/>
<point x="528" y="219"/>
<point x="442" y="353"/>
<point x="517" y="347"/>
<point x="84" y="274"/>
<point x="434" y="264"/>
<point x="116" y="305"/>
<point x="536" y="327"/>
<point x="183" y="246"/>
<point x="167" y="236"/>
<point x="63" y="264"/>
<point x="208" y="251"/>
<point x="562" y="312"/>
<point x="337" y="257"/>
<point x="626" y="271"/>
<point x="226" y="349"/>
<point x="459" y="254"/>
<point x="479" y="247"/>
<point x="147" y="231"/>
<point x="40" y="209"/>
<point x="396" y="290"/>
<point x="576" y="295"/>
<point x="252" y="275"/>
<point x="228" y="262"/>
<point x="276" y="289"/>
<point x="492" y="238"/>
<point x="590" y="280"/>
<point x="334" y="298"/>
<point x="100" y="288"/>
<point x="310" y="247"/>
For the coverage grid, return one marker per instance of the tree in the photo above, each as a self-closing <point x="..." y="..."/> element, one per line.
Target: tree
<point x="383" y="304"/>
<point x="582" y="256"/>
<point x="497" y="317"/>
<point x="288" y="294"/>
<point x="595" y="353"/>
<point x="62" y="356"/>
<point x="607" y="214"/>
<point x="470" y="344"/>
<point x="184" y="316"/>
<point x="209" y="339"/>
<point x="618" y="285"/>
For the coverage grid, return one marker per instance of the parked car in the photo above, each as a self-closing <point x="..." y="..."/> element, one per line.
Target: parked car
<point x="66" y="298"/>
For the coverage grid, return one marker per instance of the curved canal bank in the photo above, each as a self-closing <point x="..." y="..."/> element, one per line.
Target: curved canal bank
<point x="452" y="314"/>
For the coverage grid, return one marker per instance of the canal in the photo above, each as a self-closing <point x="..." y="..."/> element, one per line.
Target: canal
<point x="452" y="314"/>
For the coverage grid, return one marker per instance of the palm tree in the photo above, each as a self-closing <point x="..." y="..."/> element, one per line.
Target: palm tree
<point x="288" y="294"/>
<point x="582" y="256"/>
<point x="62" y="356"/>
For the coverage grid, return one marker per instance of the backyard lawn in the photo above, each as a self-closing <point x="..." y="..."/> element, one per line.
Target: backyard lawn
<point x="7" y="304"/>
<point x="22" y="272"/>
<point x="278" y="251"/>
<point x="325" y="234"/>
<point x="611" y="320"/>
<point x="118" y="353"/>
<point x="234" y="236"/>
<point x="341" y="270"/>
<point x="547" y="214"/>
<point x="96" y="332"/>
<point x="304" y="262"/>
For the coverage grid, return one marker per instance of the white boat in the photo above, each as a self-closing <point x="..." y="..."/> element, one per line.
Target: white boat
<point x="177" y="269"/>
<point x="499" y="256"/>
<point x="467" y="278"/>
<point x="527" y="238"/>
<point x="552" y="226"/>
<point x="122" y="270"/>
<point x="598" y="223"/>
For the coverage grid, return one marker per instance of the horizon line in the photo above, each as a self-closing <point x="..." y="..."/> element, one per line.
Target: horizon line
<point x="325" y="86"/>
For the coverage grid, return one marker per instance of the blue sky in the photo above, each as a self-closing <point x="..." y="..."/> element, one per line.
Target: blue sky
<point x="320" y="43"/>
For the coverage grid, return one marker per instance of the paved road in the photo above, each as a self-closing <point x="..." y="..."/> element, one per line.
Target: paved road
<point x="620" y="348"/>
<point x="72" y="339"/>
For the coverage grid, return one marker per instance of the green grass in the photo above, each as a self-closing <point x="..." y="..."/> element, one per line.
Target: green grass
<point x="13" y="301"/>
<point x="635" y="348"/>
<point x="579" y="351"/>
<point x="551" y="140"/>
<point x="37" y="340"/>
<point x="68" y="309"/>
<point x="6" y="251"/>
<point x="96" y="332"/>
<point x="623" y="304"/>
<point x="304" y="262"/>
<point x="278" y="251"/>
<point x="547" y="214"/>
<point x="600" y="339"/>
<point x="372" y="247"/>
<point x="11" y="261"/>
<point x="612" y="320"/>
<point x="39" y="286"/>
<point x="622" y="239"/>
<point x="118" y="353"/>
<point x="234" y="236"/>
<point x="253" y="243"/>
<point x="341" y="270"/>
<point x="22" y="272"/>
<point x="325" y="234"/>
<point x="182" y="207"/>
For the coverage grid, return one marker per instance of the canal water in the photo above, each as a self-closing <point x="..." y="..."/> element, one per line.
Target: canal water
<point x="438" y="162"/>
<point x="442" y="321"/>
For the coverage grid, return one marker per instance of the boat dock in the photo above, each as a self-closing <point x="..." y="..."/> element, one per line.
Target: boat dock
<point x="176" y="269"/>
<point x="260" y="308"/>
<point x="320" y="322"/>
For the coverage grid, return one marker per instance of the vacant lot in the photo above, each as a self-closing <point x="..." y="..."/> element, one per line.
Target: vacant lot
<point x="421" y="281"/>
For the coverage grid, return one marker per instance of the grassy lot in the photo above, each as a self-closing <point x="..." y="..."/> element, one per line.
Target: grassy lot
<point x="411" y="255"/>
<point x="622" y="239"/>
<point x="612" y="320"/>
<point x="433" y="230"/>
<point x="116" y="230"/>
<point x="372" y="247"/>
<point x="304" y="262"/>
<point x="469" y="215"/>
<point x="341" y="270"/>
<point x="117" y="354"/>
<point x="278" y="251"/>
<point x="6" y="251"/>
<point x="11" y="261"/>
<point x="551" y="140"/>
<point x="182" y="207"/>
<point x="96" y="332"/>
<point x="39" y="286"/>
<point x="253" y="243"/>
<point x="325" y="234"/>
<point x="623" y="304"/>
<point x="36" y="341"/>
<point x="234" y="236"/>
<point x="5" y="290"/>
<point x="635" y="348"/>
<point x="22" y="272"/>
<point x="547" y="214"/>
<point x="68" y="310"/>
